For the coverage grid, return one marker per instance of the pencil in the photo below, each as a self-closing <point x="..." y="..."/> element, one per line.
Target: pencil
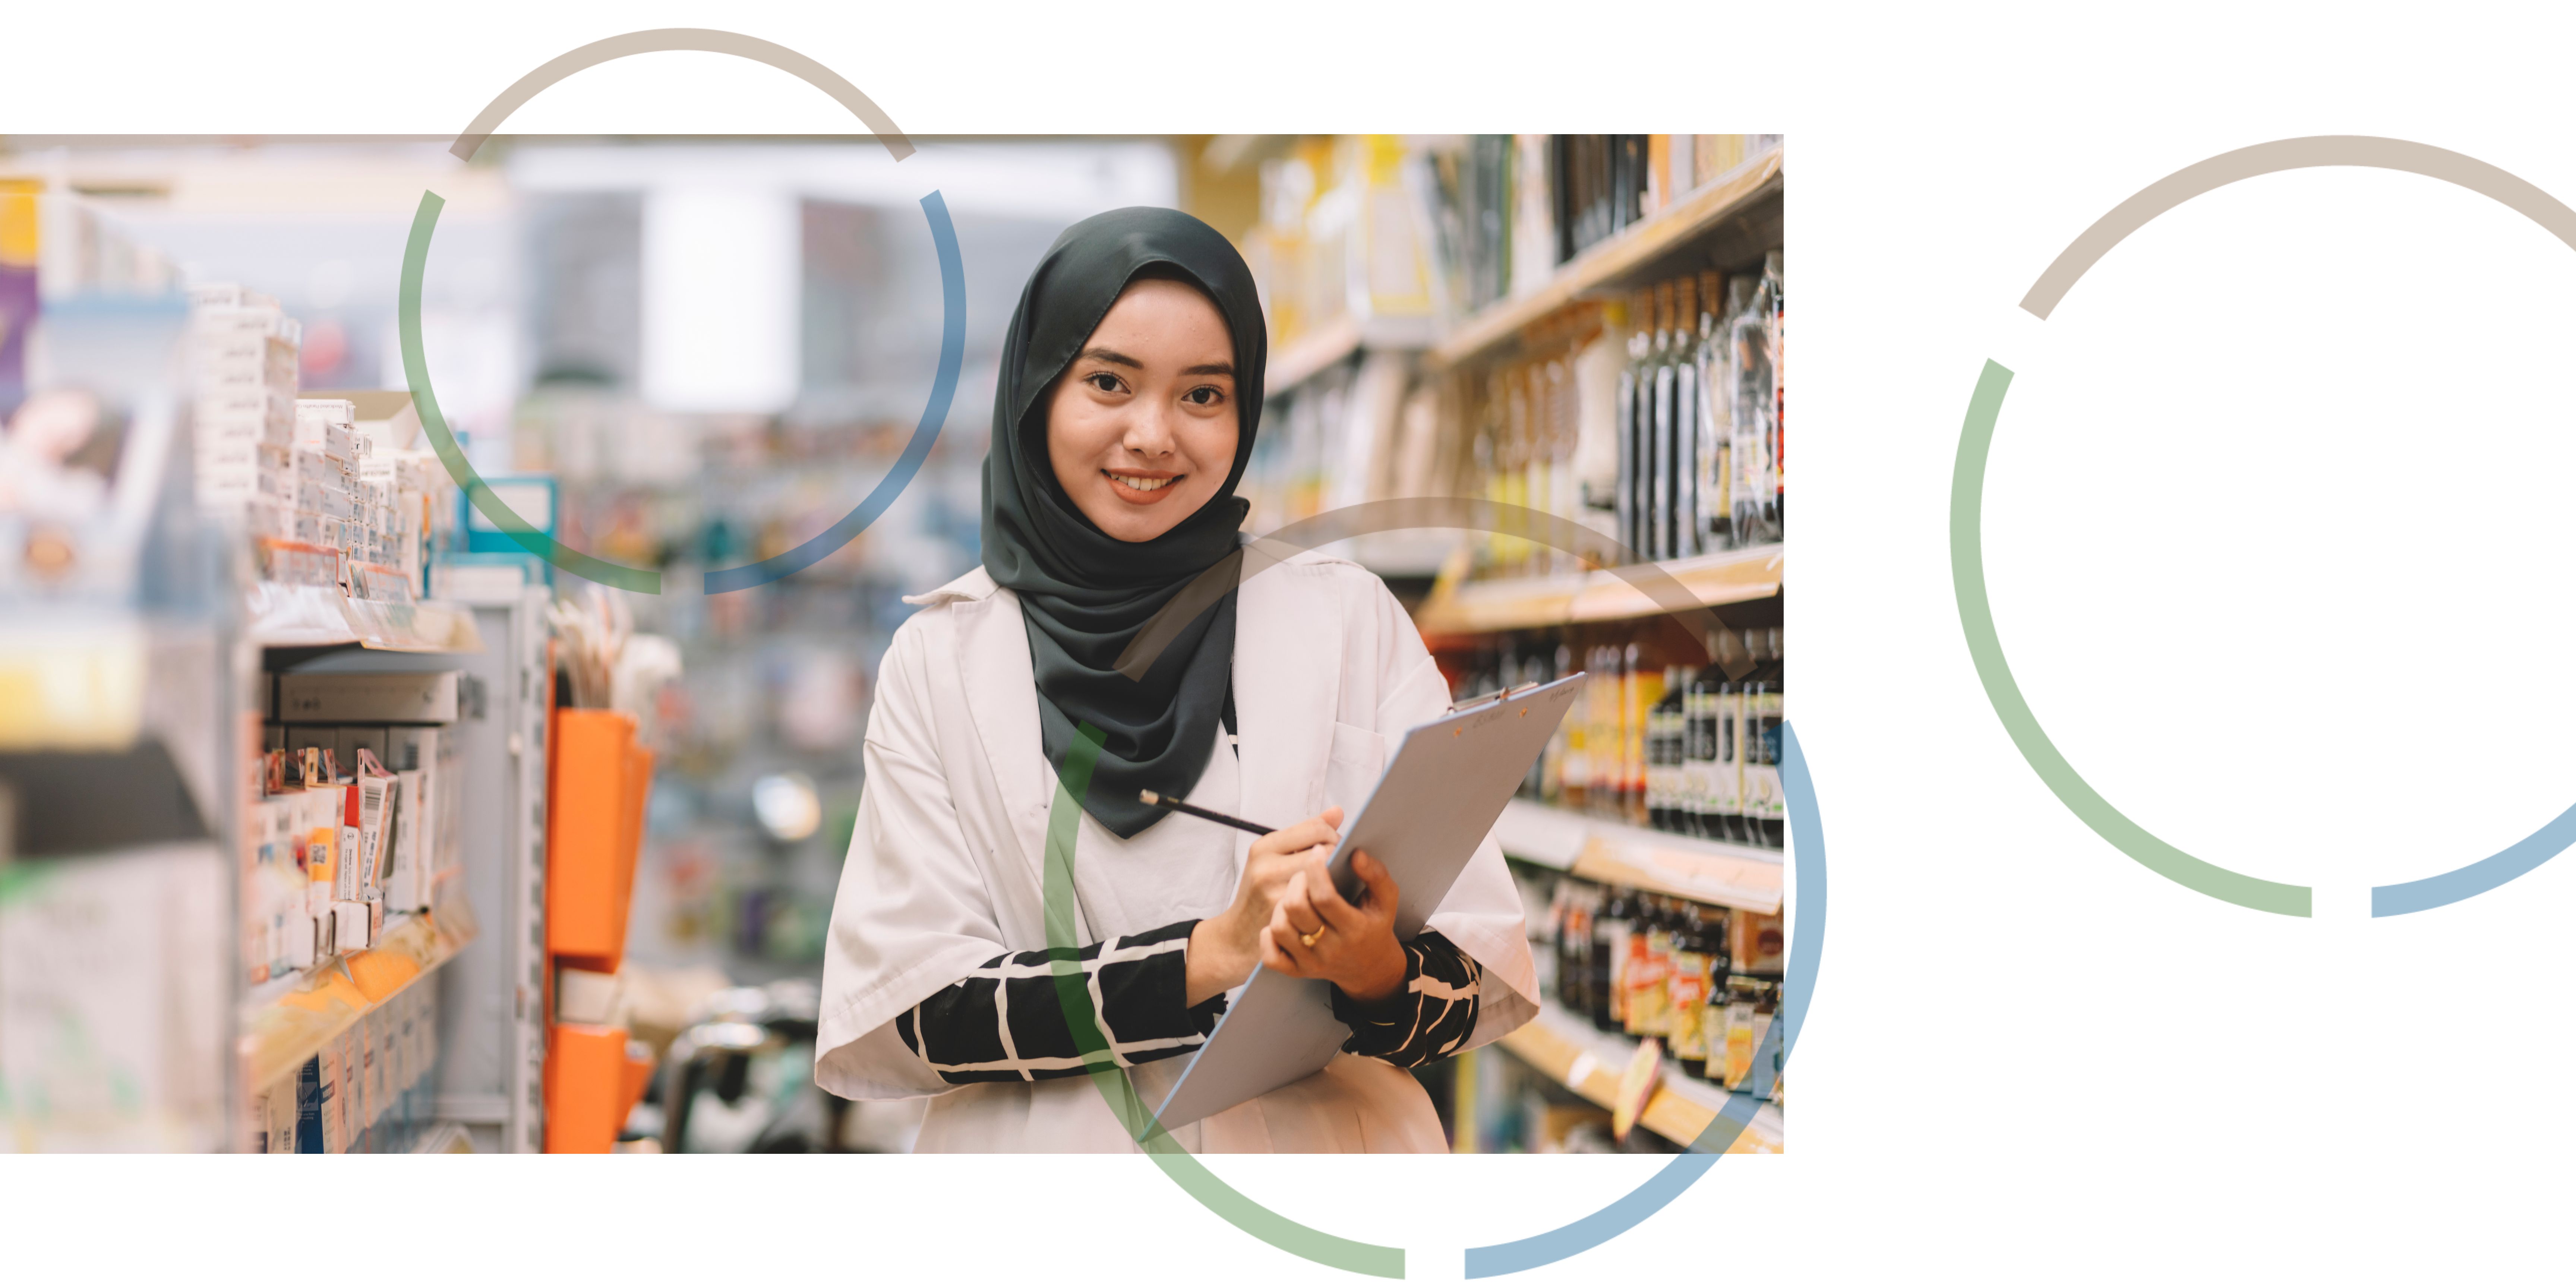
<point x="1166" y="802"/>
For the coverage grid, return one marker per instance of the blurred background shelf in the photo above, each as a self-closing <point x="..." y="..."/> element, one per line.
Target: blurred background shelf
<point x="1602" y="595"/>
<point x="1610" y="264"/>
<point x="1302" y="359"/>
<point x="1732" y="876"/>
<point x="1589" y="1063"/>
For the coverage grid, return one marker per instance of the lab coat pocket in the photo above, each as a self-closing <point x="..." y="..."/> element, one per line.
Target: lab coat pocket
<point x="1351" y="772"/>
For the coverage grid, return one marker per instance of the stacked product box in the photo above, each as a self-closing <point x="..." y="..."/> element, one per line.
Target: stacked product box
<point x="327" y="519"/>
<point x="242" y="352"/>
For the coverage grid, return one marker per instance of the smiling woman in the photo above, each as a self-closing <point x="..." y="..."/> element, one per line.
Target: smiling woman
<point x="1131" y="376"/>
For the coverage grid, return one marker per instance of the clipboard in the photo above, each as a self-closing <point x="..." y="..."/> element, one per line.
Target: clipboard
<point x="1439" y="797"/>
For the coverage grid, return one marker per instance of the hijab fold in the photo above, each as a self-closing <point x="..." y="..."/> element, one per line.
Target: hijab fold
<point x="1083" y="593"/>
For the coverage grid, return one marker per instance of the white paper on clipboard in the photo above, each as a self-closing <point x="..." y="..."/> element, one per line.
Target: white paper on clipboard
<point x="1439" y="797"/>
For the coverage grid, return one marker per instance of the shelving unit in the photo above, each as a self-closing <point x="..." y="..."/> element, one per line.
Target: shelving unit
<point x="1302" y="359"/>
<point x="1589" y="1063"/>
<point x="1601" y="595"/>
<point x="1611" y="262"/>
<point x="1733" y="876"/>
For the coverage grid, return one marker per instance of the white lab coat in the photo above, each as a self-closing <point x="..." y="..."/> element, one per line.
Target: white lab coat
<point x="944" y="868"/>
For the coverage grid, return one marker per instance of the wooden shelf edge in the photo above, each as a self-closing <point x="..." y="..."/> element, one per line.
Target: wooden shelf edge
<point x="1604" y="594"/>
<point x="1556" y="1044"/>
<point x="1614" y="257"/>
<point x="1688" y="867"/>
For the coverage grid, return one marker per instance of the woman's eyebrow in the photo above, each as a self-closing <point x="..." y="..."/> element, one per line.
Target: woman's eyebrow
<point x="1098" y="354"/>
<point x="1209" y="369"/>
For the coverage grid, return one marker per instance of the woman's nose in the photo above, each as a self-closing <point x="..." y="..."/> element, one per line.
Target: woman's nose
<point x="1149" y="431"/>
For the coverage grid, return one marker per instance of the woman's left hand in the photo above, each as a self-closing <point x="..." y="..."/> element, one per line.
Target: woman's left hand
<point x="1314" y="933"/>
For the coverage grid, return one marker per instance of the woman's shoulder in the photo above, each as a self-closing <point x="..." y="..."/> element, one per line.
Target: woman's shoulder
<point x="1315" y="570"/>
<point x="977" y="583"/>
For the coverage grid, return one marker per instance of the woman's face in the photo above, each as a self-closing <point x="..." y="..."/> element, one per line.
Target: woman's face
<point x="1141" y="428"/>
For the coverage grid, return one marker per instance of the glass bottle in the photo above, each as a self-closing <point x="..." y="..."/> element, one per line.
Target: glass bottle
<point x="1684" y="406"/>
<point x="1607" y="742"/>
<point x="1611" y="932"/>
<point x="1574" y="952"/>
<point x="1766" y="809"/>
<point x="1756" y="491"/>
<point x="1699" y="747"/>
<point x="1551" y="774"/>
<point x="1643" y="688"/>
<point x="1776" y="280"/>
<point x="1650" y="948"/>
<point x="1711" y="513"/>
<point x="1574" y="778"/>
<point x="1665" y="740"/>
<point x="1658" y="390"/>
<point x="1627" y="405"/>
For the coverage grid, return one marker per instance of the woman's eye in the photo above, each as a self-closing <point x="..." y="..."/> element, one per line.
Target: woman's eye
<point x="1204" y="396"/>
<point x="1102" y="381"/>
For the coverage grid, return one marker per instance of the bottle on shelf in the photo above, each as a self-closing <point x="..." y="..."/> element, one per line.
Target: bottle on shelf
<point x="1611" y="932"/>
<point x="1629" y="414"/>
<point x="1656" y="389"/>
<point x="1699" y="748"/>
<point x="1665" y="739"/>
<point x="1756" y="494"/>
<point x="1574" y="946"/>
<point x="1683" y="405"/>
<point x="1713" y="994"/>
<point x="1766" y="808"/>
<point x="1711" y="514"/>
<point x="1642" y="688"/>
<point x="1743" y="998"/>
<point x="1574" y="772"/>
<point x="1686" y="989"/>
<point x="1650" y="947"/>
<point x="1776" y="281"/>
<point x="1606" y="740"/>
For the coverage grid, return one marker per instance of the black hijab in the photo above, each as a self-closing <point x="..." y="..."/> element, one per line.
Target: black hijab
<point x="1084" y="593"/>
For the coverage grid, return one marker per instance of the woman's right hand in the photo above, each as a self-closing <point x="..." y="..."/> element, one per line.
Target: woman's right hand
<point x="1224" y="948"/>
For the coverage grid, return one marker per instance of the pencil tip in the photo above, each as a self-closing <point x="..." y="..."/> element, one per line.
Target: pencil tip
<point x="1148" y="797"/>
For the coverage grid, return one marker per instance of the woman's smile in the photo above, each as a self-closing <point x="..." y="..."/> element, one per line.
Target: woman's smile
<point x="1141" y="487"/>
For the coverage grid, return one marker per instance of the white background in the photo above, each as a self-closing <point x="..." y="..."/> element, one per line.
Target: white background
<point x="2279" y="549"/>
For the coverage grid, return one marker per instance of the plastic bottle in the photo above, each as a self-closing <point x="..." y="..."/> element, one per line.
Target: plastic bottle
<point x="1686" y="989"/>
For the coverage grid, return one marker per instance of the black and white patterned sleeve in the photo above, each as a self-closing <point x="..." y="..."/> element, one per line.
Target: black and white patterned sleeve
<point x="1005" y="1021"/>
<point x="1429" y="1017"/>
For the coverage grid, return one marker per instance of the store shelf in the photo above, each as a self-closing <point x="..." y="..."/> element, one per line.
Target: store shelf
<point x="283" y="616"/>
<point x="285" y="1022"/>
<point x="1589" y="1063"/>
<point x="1613" y="259"/>
<point x="1300" y="360"/>
<point x="1602" y="595"/>
<point x="1733" y="876"/>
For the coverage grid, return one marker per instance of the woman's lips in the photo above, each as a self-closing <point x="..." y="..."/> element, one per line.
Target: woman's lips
<point x="1158" y="487"/>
